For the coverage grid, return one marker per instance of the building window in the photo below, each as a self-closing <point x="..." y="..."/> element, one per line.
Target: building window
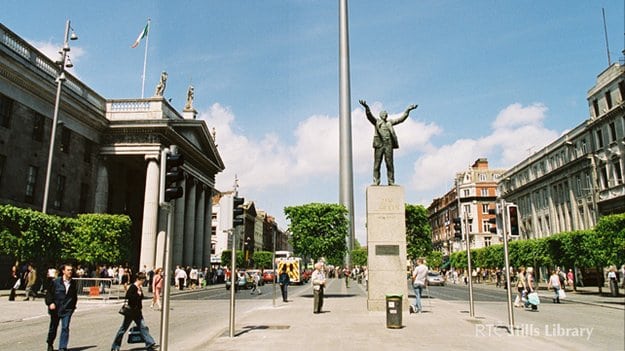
<point x="483" y="177"/>
<point x="60" y="192"/>
<point x="599" y="139"/>
<point x="38" y="123"/>
<point x="608" y="100"/>
<point x="595" y="107"/>
<point x="484" y="208"/>
<point x="31" y="181"/>
<point x="485" y="226"/>
<point x="88" y="148"/>
<point x="487" y="240"/>
<point x="621" y="89"/>
<point x="467" y="209"/>
<point x="3" y="160"/>
<point x="465" y="193"/>
<point x="612" y="132"/>
<point x="213" y="230"/>
<point x="618" y="174"/>
<point x="603" y="177"/>
<point x="84" y="197"/>
<point x="66" y="134"/>
<point x="584" y="150"/>
<point x="6" y="110"/>
<point x="484" y="192"/>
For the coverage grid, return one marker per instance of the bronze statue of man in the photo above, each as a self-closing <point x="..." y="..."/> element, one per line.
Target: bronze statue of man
<point x="384" y="141"/>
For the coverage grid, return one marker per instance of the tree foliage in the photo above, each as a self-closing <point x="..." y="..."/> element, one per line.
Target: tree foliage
<point x="319" y="230"/>
<point x="359" y="256"/>
<point x="602" y="246"/>
<point x="418" y="232"/>
<point x="263" y="259"/>
<point x="226" y="259"/>
<point x="29" y="235"/>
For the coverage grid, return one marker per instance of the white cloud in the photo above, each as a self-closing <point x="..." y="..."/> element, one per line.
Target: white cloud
<point x="51" y="50"/>
<point x="517" y="131"/>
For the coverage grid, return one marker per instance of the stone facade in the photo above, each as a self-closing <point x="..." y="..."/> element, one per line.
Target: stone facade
<point x="577" y="178"/>
<point x="106" y="156"/>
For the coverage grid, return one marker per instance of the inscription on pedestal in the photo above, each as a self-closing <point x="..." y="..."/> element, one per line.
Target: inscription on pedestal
<point x="387" y="250"/>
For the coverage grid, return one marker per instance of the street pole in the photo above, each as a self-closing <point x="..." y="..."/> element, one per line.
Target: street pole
<point x="232" y="281"/>
<point x="469" y="270"/>
<point x="504" y="231"/>
<point x="167" y="278"/>
<point x="273" y="265"/>
<point x="55" y="118"/>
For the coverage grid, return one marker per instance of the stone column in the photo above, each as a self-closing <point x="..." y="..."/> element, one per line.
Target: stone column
<point x="101" y="189"/>
<point x="178" y="234"/>
<point x="160" y="239"/>
<point x="208" y="227"/>
<point x="150" y="214"/>
<point x="386" y="245"/>
<point x="189" y="221"/>
<point x="198" y="245"/>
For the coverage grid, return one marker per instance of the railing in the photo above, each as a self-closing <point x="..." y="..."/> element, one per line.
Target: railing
<point x="99" y="289"/>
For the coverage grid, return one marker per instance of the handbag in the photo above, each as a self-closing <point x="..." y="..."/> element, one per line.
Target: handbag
<point x="561" y="294"/>
<point x="17" y="284"/>
<point x="125" y="310"/>
<point x="134" y="335"/>
<point x="533" y="298"/>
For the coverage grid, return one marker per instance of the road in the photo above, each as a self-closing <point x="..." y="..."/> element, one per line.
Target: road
<point x="197" y="318"/>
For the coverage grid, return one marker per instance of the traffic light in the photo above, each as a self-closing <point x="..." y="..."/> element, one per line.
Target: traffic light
<point x="493" y="220"/>
<point x="173" y="174"/>
<point x="458" y="228"/>
<point x="237" y="211"/>
<point x="513" y="220"/>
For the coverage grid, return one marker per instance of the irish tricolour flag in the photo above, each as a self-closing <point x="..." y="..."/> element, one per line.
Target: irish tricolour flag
<point x="143" y="34"/>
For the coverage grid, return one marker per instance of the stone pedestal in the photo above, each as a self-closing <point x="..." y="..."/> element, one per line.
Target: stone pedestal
<point x="386" y="244"/>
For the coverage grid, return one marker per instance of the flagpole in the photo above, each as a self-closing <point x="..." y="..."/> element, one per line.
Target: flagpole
<point x="145" y="60"/>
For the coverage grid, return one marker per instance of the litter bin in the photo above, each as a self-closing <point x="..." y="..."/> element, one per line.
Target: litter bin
<point x="393" y="311"/>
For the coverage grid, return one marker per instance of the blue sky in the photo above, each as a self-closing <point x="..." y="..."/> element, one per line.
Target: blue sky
<point x="495" y="79"/>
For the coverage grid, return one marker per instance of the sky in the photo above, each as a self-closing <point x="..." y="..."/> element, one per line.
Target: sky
<point x="493" y="79"/>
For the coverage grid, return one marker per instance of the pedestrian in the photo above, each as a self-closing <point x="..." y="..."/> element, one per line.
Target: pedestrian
<point x="530" y="287"/>
<point x="134" y="296"/>
<point x="419" y="275"/>
<point x="61" y="298"/>
<point x="569" y="278"/>
<point x="14" y="282"/>
<point x="346" y="273"/>
<point x="613" y="280"/>
<point x="256" y="286"/>
<point x="157" y="287"/>
<point x="521" y="288"/>
<point x="284" y="280"/>
<point x="555" y="284"/>
<point x="623" y="276"/>
<point x="318" y="283"/>
<point x="31" y="279"/>
<point x="181" y="278"/>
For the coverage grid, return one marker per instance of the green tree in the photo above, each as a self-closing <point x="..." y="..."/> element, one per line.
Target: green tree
<point x="434" y="259"/>
<point x="94" y="238"/>
<point x="610" y="233"/>
<point x="359" y="256"/>
<point x="319" y="230"/>
<point x="226" y="260"/>
<point x="263" y="259"/>
<point x="418" y="232"/>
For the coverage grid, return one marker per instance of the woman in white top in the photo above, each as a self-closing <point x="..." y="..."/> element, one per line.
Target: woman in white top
<point x="554" y="282"/>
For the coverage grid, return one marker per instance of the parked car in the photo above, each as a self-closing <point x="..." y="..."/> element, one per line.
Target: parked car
<point x="269" y="276"/>
<point x="244" y="281"/>
<point x="434" y="278"/>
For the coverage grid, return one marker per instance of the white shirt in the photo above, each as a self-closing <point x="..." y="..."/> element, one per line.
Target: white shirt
<point x="419" y="274"/>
